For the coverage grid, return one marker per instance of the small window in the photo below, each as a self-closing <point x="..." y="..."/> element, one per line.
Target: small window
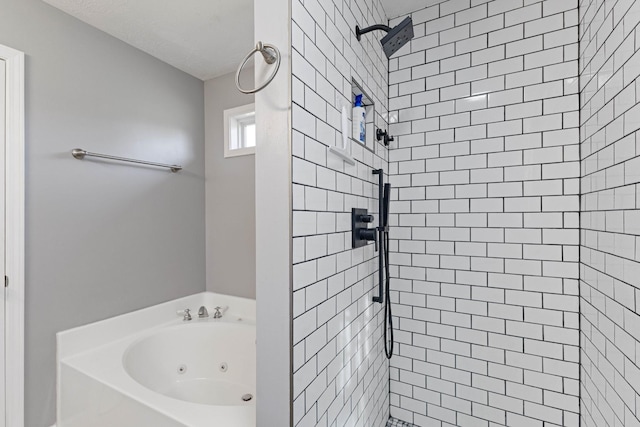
<point x="240" y="131"/>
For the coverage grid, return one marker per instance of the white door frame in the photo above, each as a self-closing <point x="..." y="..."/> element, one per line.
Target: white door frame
<point x="15" y="254"/>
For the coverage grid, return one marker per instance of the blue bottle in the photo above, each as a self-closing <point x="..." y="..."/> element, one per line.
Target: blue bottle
<point x="359" y="121"/>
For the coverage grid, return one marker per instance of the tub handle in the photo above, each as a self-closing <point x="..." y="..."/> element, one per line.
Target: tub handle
<point x="220" y="311"/>
<point x="186" y="313"/>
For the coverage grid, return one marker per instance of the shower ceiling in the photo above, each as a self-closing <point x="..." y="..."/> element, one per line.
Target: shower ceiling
<point x="205" y="38"/>
<point x="396" y="8"/>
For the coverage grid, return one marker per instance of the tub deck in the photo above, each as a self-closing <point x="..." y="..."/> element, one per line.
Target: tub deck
<point x="94" y="389"/>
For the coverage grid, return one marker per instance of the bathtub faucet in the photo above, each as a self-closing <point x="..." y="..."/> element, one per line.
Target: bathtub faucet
<point x="203" y="313"/>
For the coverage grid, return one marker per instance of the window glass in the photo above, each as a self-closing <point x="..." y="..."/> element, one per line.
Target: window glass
<point x="240" y="131"/>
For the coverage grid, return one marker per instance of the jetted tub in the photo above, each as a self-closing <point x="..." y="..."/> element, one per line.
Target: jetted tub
<point x="151" y="368"/>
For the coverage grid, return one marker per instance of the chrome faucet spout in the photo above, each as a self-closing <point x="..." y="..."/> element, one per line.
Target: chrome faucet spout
<point x="203" y="313"/>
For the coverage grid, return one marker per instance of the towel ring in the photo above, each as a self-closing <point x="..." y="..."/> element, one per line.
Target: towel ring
<point x="269" y="58"/>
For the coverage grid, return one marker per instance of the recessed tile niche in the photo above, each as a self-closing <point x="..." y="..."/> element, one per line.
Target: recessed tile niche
<point x="370" y="108"/>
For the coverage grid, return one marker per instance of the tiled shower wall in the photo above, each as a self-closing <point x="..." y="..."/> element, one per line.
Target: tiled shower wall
<point x="485" y="217"/>
<point x="610" y="251"/>
<point x="340" y="372"/>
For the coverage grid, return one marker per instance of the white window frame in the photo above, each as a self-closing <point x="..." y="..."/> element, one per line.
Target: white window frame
<point x="232" y="121"/>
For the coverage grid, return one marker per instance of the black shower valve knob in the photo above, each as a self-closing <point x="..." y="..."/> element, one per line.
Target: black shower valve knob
<point x="369" y="234"/>
<point x="366" y="218"/>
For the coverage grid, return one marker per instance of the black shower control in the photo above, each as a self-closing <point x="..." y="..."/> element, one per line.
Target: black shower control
<point x="369" y="235"/>
<point x="383" y="135"/>
<point x="366" y="218"/>
<point x="361" y="234"/>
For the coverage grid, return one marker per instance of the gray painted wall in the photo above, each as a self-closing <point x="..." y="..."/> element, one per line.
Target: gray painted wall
<point x="102" y="238"/>
<point x="230" y="197"/>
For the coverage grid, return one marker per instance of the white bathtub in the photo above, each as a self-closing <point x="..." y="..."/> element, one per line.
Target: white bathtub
<point x="150" y="368"/>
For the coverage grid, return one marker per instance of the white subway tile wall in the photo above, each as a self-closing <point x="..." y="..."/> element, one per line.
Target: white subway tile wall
<point x="485" y="213"/>
<point x="341" y="377"/>
<point x="610" y="220"/>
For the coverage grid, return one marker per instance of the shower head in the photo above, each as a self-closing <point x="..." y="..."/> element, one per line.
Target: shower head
<point x="399" y="35"/>
<point x="396" y="37"/>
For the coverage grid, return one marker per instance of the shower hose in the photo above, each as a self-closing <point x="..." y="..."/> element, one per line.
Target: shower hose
<point x="388" y="342"/>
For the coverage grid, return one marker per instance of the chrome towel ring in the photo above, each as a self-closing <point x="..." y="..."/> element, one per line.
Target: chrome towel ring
<point x="269" y="57"/>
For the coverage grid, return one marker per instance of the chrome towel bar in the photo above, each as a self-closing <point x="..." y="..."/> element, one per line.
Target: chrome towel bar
<point x="81" y="154"/>
<point x="271" y="55"/>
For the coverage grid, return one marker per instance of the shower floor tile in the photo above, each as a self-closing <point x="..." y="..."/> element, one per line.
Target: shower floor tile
<point x="397" y="423"/>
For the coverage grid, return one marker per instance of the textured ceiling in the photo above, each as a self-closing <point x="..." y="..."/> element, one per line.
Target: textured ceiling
<point x="205" y="38"/>
<point x="396" y="8"/>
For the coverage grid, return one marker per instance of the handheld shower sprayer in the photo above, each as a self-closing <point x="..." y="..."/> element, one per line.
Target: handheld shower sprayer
<point x="361" y="235"/>
<point x="384" y="196"/>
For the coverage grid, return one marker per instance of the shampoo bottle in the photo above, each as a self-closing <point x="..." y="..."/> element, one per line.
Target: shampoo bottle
<point x="359" y="121"/>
